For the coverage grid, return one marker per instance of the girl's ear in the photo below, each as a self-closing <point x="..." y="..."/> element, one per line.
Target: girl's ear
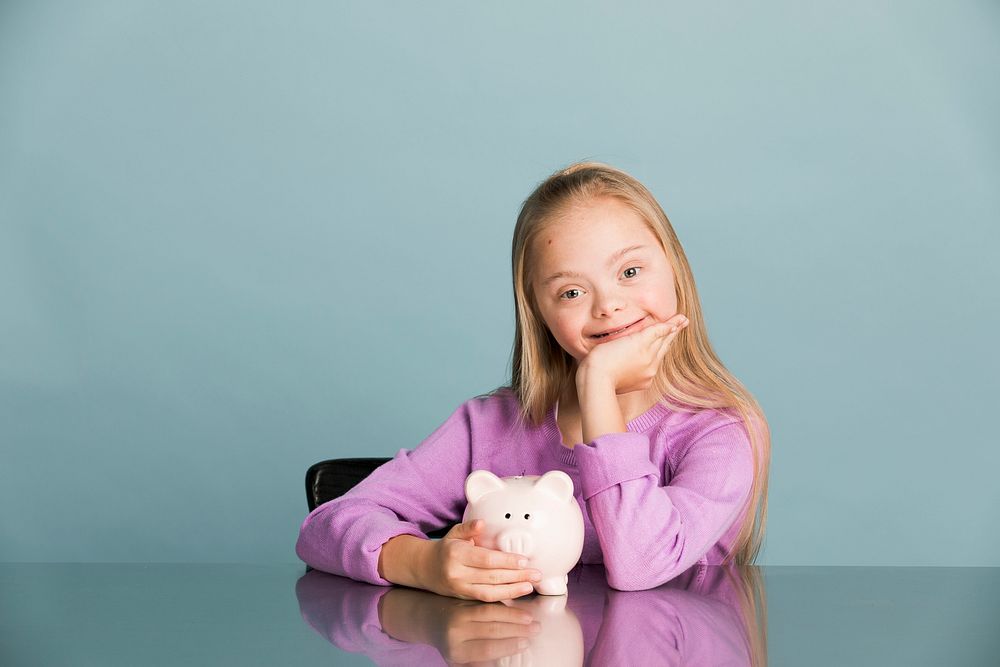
<point x="556" y="482"/>
<point x="481" y="482"/>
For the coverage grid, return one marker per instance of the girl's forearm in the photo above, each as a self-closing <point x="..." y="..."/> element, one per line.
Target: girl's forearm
<point x="600" y="412"/>
<point x="402" y="560"/>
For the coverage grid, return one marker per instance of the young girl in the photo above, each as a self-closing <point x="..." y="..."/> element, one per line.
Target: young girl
<point x="613" y="381"/>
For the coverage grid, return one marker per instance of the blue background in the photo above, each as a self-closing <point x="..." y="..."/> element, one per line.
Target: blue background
<point x="237" y="238"/>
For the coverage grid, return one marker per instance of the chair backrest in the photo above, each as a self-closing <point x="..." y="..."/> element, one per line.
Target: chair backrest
<point x="333" y="478"/>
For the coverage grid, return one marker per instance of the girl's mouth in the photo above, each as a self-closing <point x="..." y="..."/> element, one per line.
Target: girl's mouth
<point x="617" y="332"/>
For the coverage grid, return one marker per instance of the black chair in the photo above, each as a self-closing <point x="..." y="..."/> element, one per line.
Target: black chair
<point x="333" y="478"/>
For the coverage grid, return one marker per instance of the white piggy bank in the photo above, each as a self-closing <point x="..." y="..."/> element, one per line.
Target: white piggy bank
<point x="537" y="517"/>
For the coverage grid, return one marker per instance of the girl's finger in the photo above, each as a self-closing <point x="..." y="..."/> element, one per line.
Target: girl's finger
<point x="465" y="531"/>
<point x="677" y="322"/>
<point x="666" y="341"/>
<point x="658" y="331"/>
<point x="671" y="329"/>
<point x="496" y="577"/>
<point x="664" y="346"/>
<point x="488" y="593"/>
<point x="489" y="559"/>
<point x="679" y="326"/>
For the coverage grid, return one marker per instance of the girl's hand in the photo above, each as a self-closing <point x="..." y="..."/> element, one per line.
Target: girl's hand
<point x="630" y="363"/>
<point x="460" y="569"/>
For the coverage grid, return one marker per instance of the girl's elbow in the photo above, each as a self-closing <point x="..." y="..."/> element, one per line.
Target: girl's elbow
<point x="637" y="576"/>
<point x="625" y="582"/>
<point x="636" y="580"/>
<point x="640" y="572"/>
<point x="304" y="552"/>
<point x="316" y="541"/>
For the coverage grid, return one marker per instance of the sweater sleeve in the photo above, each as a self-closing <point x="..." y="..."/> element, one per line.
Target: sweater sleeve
<point x="651" y="533"/>
<point x="416" y="491"/>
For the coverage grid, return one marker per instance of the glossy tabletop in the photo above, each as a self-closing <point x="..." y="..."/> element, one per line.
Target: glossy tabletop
<point x="214" y="614"/>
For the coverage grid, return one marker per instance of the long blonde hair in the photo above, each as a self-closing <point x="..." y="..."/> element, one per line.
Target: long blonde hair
<point x="691" y="376"/>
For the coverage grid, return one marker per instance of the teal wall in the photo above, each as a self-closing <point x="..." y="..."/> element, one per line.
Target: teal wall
<point x="237" y="238"/>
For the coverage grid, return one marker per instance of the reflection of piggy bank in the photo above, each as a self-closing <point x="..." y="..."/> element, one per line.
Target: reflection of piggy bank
<point x="559" y="642"/>
<point x="537" y="517"/>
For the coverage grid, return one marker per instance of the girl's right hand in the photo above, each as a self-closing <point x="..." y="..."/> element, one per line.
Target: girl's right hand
<point x="458" y="568"/>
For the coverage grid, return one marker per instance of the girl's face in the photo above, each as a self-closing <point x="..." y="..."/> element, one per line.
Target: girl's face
<point x="599" y="269"/>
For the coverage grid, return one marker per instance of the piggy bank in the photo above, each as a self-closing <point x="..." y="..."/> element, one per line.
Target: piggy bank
<point x="537" y="517"/>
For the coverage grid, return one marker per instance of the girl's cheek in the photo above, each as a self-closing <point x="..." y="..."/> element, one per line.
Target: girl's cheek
<point x="666" y="307"/>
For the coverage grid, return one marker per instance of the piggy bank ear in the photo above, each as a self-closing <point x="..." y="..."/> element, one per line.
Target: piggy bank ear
<point x="556" y="482"/>
<point x="481" y="482"/>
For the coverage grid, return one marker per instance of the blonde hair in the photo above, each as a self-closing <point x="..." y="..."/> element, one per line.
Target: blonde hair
<point x="751" y="594"/>
<point x="691" y="376"/>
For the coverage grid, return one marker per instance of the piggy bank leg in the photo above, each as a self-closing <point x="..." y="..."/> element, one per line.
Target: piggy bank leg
<point x="552" y="585"/>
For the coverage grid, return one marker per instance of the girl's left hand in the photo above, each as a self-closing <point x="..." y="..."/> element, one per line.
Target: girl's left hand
<point x="631" y="362"/>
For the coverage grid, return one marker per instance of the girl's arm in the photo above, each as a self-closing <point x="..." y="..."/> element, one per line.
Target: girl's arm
<point x="649" y="533"/>
<point x="376" y="531"/>
<point x="415" y="492"/>
<point x="600" y="411"/>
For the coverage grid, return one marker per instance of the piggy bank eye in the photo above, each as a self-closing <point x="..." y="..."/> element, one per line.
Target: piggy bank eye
<point x="507" y="515"/>
<point x="526" y="516"/>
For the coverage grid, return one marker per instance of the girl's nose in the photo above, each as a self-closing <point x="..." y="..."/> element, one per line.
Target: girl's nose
<point x="607" y="302"/>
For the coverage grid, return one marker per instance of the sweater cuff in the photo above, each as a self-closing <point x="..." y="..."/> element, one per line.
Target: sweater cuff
<point x="611" y="459"/>
<point x="401" y="528"/>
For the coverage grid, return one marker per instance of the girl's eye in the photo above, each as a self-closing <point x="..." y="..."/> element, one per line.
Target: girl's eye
<point x="631" y="268"/>
<point x="563" y="295"/>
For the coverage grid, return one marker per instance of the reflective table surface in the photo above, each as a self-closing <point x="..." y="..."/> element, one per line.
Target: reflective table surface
<point x="214" y="614"/>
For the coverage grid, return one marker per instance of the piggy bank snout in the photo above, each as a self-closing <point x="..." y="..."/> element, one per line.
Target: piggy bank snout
<point x="516" y="541"/>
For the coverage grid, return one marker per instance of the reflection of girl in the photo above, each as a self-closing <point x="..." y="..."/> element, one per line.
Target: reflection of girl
<point x="707" y="616"/>
<point x="748" y="582"/>
<point x="614" y="382"/>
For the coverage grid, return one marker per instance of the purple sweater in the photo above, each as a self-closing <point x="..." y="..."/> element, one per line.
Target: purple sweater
<point x="668" y="494"/>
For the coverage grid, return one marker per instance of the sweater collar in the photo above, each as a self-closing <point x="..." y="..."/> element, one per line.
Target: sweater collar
<point x="638" y="425"/>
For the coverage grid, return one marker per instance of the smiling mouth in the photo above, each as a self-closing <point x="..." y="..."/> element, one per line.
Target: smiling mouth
<point x="612" y="333"/>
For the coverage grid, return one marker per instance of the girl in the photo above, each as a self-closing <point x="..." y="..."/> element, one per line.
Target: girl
<point x="613" y="381"/>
